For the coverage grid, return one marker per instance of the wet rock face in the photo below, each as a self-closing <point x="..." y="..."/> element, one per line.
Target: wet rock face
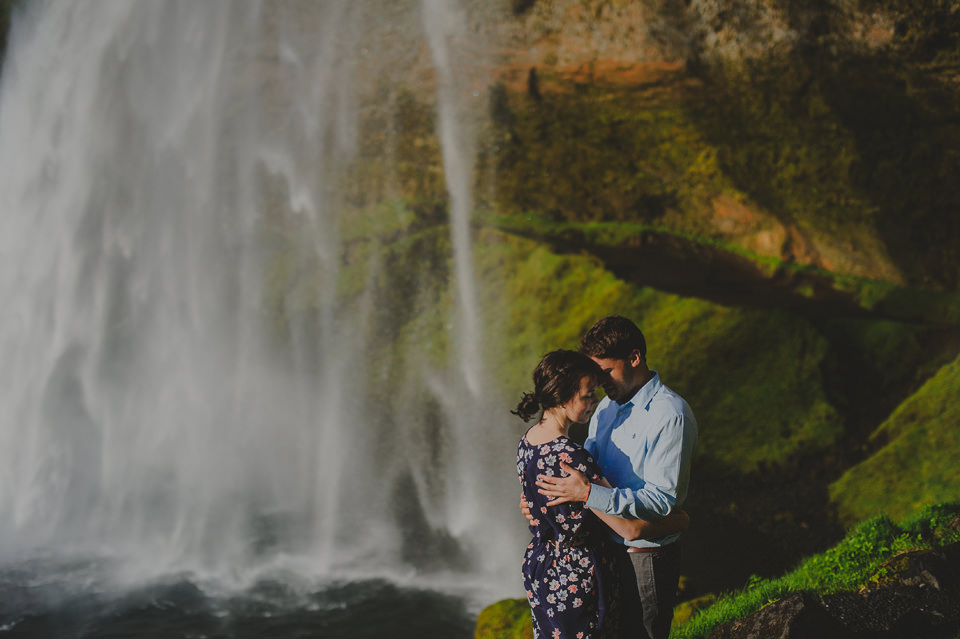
<point x="917" y="595"/>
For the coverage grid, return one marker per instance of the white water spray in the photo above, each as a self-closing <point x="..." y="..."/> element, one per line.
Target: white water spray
<point x="151" y="157"/>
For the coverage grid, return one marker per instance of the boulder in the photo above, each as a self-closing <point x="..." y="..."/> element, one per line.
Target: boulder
<point x="915" y="594"/>
<point x="505" y="619"/>
<point x="797" y="616"/>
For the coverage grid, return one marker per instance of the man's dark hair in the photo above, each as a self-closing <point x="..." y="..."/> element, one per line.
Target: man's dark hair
<point x="613" y="337"/>
<point x="555" y="381"/>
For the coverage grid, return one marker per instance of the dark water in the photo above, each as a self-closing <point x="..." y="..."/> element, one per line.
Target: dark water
<point x="35" y="606"/>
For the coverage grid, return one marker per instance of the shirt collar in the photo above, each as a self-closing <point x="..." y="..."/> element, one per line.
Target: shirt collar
<point x="643" y="396"/>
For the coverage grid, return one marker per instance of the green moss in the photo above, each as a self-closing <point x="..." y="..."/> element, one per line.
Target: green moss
<point x="600" y="154"/>
<point x="506" y="619"/>
<point x="792" y="155"/>
<point x="915" y="464"/>
<point x="793" y="135"/>
<point x="797" y="133"/>
<point x="922" y="305"/>
<point x="661" y="158"/>
<point x="891" y="351"/>
<point x="935" y="524"/>
<point x="858" y="559"/>
<point x="930" y="306"/>
<point x="398" y="153"/>
<point x="719" y="358"/>
<point x="539" y="301"/>
<point x="378" y="220"/>
<point x="613" y="234"/>
<point x="685" y="611"/>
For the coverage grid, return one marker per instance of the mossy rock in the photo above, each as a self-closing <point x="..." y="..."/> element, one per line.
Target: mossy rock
<point x="862" y="558"/>
<point x="534" y="300"/>
<point x="719" y="358"/>
<point x="916" y="462"/>
<point x="938" y="524"/>
<point x="506" y="619"/>
<point x="685" y="611"/>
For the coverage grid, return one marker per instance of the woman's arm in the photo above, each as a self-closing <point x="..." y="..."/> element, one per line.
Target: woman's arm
<point x="633" y="529"/>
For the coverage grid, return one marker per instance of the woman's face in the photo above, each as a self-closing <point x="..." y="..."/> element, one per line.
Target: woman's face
<point x="579" y="408"/>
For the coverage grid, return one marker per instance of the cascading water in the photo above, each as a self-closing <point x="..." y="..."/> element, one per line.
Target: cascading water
<point x="160" y="164"/>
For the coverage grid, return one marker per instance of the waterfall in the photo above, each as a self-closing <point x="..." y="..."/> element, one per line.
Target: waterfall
<point x="186" y="385"/>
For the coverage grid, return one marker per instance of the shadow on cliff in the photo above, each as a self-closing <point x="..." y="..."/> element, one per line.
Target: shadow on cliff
<point x="833" y="134"/>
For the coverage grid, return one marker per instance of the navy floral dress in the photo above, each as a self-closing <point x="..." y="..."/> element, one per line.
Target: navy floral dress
<point x="572" y="569"/>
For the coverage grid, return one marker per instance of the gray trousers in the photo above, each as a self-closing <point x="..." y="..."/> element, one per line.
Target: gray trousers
<point x="657" y="577"/>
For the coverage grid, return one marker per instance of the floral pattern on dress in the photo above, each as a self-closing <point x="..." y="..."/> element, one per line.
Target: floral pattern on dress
<point x="572" y="568"/>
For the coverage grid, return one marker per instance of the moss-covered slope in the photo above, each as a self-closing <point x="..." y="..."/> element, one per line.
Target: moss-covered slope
<point x="859" y="560"/>
<point x="916" y="461"/>
<point x="718" y="357"/>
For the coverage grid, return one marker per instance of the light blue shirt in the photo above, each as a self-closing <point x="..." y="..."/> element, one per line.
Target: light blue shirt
<point x="644" y="448"/>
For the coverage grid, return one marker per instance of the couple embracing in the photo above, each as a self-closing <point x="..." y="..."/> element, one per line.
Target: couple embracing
<point x="606" y="517"/>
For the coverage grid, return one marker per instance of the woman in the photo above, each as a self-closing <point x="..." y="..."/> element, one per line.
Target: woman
<point x="573" y="569"/>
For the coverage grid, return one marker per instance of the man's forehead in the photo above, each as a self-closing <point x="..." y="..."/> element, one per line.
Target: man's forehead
<point x="606" y="363"/>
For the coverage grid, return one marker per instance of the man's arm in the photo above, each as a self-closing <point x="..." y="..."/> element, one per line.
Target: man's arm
<point x="576" y="487"/>
<point x="665" y="474"/>
<point x="666" y="471"/>
<point x="633" y="529"/>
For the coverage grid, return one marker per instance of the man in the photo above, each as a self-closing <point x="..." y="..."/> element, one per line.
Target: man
<point x="643" y="436"/>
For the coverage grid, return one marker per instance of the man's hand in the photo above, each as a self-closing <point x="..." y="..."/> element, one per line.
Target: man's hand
<point x="574" y="487"/>
<point x="525" y="510"/>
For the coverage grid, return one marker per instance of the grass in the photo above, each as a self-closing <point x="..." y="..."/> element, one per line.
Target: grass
<point x="856" y="561"/>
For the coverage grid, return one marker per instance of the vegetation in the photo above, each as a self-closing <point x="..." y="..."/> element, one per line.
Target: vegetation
<point x="887" y="300"/>
<point x="799" y="137"/>
<point x="856" y="561"/>
<point x="593" y="154"/>
<point x="789" y="136"/>
<point x="506" y="619"/>
<point x="915" y="463"/>
<point x="718" y="357"/>
<point x="861" y="558"/>
<point x="778" y="160"/>
<point x="535" y="299"/>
